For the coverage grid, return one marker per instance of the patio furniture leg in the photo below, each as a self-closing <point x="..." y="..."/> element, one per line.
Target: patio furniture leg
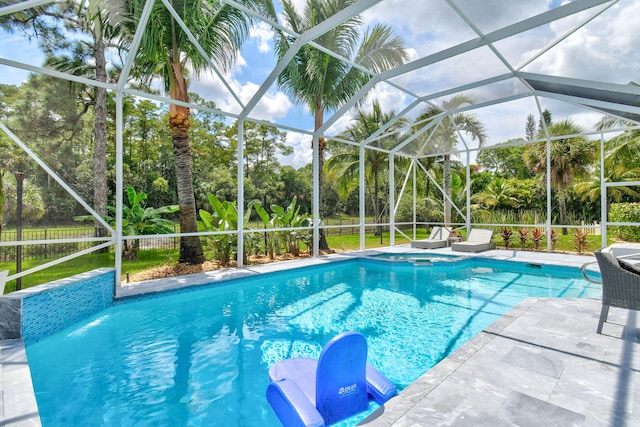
<point x="604" y="313"/>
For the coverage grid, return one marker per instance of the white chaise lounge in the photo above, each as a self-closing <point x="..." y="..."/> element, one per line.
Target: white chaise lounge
<point x="478" y="240"/>
<point x="3" y="280"/>
<point x="437" y="239"/>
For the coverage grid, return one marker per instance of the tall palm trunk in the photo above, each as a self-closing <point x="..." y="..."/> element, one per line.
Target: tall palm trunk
<point x="190" y="246"/>
<point x="447" y="188"/>
<point x="100" y="141"/>
<point x="319" y="117"/>
<point x="376" y="203"/>
<point x="562" y="208"/>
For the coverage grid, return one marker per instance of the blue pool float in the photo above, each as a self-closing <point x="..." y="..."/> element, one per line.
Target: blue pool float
<point x="309" y="392"/>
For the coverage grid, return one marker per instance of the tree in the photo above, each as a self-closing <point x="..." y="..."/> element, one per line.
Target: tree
<point x="499" y="194"/>
<point x="620" y="164"/>
<point x="506" y="162"/>
<point x="296" y="183"/>
<point x="83" y="56"/>
<point x="530" y="128"/>
<point x="263" y="144"/>
<point x="571" y="158"/>
<point x="344" y="165"/>
<point x="322" y="82"/>
<point x="445" y="136"/>
<point x="166" y="52"/>
<point x="622" y="151"/>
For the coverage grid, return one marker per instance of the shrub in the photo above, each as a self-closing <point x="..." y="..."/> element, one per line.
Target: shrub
<point x="625" y="212"/>
<point x="580" y="240"/>
<point x="523" y="235"/>
<point x="506" y="236"/>
<point x="537" y="235"/>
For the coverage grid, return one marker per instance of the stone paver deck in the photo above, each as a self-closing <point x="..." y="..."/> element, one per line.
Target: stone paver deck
<point x="542" y="364"/>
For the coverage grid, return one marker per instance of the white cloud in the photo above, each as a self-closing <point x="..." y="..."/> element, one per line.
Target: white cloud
<point x="273" y="105"/>
<point x="302" y="152"/>
<point x="603" y="50"/>
<point x="263" y="34"/>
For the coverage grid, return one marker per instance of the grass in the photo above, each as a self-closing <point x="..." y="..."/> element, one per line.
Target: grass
<point x="147" y="259"/>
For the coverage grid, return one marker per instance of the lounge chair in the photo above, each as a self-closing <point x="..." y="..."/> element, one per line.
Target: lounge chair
<point x="620" y="280"/>
<point x="478" y="240"/>
<point x="3" y="280"/>
<point x="437" y="239"/>
<point x="310" y="392"/>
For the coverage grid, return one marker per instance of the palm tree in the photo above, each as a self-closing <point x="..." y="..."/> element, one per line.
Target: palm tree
<point x="435" y="204"/>
<point x="620" y="164"/>
<point x="591" y="188"/>
<point x="445" y="136"/>
<point x="166" y="52"/>
<point x="102" y="26"/>
<point x="321" y="81"/>
<point x="344" y="164"/>
<point x="571" y="158"/>
<point x="500" y="193"/>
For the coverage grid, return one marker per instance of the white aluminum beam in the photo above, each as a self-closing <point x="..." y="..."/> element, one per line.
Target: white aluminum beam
<point x="492" y="37"/>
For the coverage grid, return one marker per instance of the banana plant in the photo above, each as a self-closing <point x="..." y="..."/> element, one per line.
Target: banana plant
<point x="223" y="218"/>
<point x="137" y="220"/>
<point x="270" y="239"/>
<point x="290" y="218"/>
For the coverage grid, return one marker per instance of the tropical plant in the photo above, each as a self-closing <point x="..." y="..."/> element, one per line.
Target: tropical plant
<point x="590" y="189"/>
<point x="224" y="218"/>
<point x="571" y="158"/>
<point x="445" y="136"/>
<point x="506" y="236"/>
<point x="580" y="240"/>
<point x="290" y="218"/>
<point x="435" y="203"/>
<point x="166" y="52"/>
<point x="138" y="219"/>
<point x="523" y="235"/>
<point x="498" y="194"/>
<point x="321" y="81"/>
<point x="505" y="162"/>
<point x="537" y="235"/>
<point x="270" y="241"/>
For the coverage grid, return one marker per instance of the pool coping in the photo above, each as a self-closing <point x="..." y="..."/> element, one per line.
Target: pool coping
<point x="19" y="407"/>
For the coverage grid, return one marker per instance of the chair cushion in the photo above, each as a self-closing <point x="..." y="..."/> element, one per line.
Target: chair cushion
<point x="479" y="235"/>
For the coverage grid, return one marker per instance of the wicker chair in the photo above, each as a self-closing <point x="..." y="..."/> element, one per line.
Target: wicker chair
<point x="620" y="286"/>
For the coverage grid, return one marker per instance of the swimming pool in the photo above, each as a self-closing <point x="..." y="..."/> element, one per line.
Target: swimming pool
<point x="416" y="257"/>
<point x="200" y="357"/>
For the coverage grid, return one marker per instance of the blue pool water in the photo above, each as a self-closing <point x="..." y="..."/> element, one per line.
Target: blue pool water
<point x="415" y="256"/>
<point x="200" y="357"/>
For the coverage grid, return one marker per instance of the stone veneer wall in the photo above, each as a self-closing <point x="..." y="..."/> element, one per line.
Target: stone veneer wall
<point x="37" y="312"/>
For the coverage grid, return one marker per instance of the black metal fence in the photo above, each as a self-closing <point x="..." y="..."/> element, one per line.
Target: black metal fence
<point x="58" y="250"/>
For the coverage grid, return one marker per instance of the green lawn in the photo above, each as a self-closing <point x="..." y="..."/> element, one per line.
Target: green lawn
<point x="147" y="259"/>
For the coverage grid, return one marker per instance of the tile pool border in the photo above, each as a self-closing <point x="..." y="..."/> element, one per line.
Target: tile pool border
<point x="27" y="316"/>
<point x="18" y="405"/>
